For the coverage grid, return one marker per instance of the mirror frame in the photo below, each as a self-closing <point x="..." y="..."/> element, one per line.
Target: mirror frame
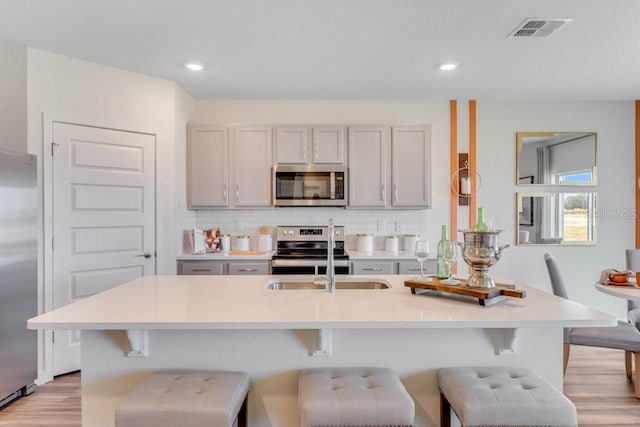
<point x="525" y="195"/>
<point x="519" y="145"/>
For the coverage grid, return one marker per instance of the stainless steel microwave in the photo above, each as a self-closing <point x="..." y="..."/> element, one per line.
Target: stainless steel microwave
<point x="309" y="185"/>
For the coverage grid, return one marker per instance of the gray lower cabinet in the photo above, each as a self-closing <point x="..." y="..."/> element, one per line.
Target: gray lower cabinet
<point x="219" y="268"/>
<point x="195" y="268"/>
<point x="248" y="268"/>
<point x="383" y="267"/>
<point x="413" y="267"/>
<point x="373" y="267"/>
<point x="391" y="267"/>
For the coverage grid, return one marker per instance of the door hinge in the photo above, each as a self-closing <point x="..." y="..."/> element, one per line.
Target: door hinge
<point x="53" y="145"/>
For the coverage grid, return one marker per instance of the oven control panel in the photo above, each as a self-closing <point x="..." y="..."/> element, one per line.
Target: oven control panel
<point x="310" y="233"/>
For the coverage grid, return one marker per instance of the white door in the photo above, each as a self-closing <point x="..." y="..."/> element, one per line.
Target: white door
<point x="103" y="218"/>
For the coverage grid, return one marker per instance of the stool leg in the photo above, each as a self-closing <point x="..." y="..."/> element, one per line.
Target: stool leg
<point x="445" y="412"/>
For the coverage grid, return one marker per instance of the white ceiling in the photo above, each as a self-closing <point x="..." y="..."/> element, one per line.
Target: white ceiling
<point x="347" y="49"/>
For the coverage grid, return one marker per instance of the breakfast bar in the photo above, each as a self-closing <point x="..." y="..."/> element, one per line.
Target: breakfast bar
<point x="241" y="323"/>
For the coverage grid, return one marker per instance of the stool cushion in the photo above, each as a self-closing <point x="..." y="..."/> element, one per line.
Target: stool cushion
<point x="185" y="399"/>
<point x="496" y="396"/>
<point x="354" y="397"/>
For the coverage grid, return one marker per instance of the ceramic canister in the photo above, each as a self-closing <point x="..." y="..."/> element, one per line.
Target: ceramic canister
<point x="242" y="243"/>
<point x="225" y="242"/>
<point x="391" y="244"/>
<point x="364" y="242"/>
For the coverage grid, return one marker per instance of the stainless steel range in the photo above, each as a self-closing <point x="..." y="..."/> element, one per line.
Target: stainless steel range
<point x="303" y="250"/>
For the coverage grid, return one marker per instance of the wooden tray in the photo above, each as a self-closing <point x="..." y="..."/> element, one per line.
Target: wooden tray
<point x="484" y="295"/>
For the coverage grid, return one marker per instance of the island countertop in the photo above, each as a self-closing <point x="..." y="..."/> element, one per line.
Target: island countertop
<point x="244" y="302"/>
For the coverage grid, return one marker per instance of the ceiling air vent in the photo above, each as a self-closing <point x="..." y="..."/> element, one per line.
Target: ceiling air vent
<point x="539" y="27"/>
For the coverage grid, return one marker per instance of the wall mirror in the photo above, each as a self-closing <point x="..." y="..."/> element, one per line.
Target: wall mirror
<point x="556" y="158"/>
<point x="556" y="218"/>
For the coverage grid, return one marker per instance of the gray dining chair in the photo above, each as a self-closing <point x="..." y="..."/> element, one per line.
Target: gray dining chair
<point x="624" y="336"/>
<point x="633" y="307"/>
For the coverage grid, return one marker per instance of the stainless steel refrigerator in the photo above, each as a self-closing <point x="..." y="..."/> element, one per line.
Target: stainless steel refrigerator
<point x="18" y="274"/>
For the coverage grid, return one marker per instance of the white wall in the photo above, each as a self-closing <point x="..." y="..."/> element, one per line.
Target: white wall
<point x="13" y="97"/>
<point x="89" y="93"/>
<point x="581" y="265"/>
<point x="184" y="109"/>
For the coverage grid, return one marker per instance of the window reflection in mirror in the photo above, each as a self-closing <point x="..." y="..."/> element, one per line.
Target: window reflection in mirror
<point x="556" y="218"/>
<point x="556" y="158"/>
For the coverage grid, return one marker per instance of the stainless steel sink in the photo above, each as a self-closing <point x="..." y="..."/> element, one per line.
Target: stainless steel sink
<point x="298" y="284"/>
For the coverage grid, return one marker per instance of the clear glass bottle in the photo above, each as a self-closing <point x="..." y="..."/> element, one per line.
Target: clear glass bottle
<point x="480" y="224"/>
<point x="441" y="267"/>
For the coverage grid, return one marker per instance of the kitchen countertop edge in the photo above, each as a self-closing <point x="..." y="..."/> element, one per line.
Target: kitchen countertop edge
<point x="224" y="256"/>
<point x="244" y="302"/>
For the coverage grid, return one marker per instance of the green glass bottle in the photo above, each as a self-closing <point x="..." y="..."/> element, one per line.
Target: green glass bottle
<point x="441" y="268"/>
<point x="480" y="224"/>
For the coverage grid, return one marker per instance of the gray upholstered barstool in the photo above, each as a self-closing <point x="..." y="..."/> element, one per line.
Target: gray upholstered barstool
<point x="496" y="396"/>
<point x="354" y="397"/>
<point x="194" y="399"/>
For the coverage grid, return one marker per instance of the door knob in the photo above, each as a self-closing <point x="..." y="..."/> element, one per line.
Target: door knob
<point x="146" y="255"/>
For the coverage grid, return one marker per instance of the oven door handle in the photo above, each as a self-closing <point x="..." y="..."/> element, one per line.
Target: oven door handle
<point x="307" y="263"/>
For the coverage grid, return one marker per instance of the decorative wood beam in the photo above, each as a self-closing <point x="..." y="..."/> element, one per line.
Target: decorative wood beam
<point x="453" y="158"/>
<point x="472" y="163"/>
<point x="637" y="183"/>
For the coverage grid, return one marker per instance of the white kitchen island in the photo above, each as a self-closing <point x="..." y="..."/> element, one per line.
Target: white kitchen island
<point x="236" y="323"/>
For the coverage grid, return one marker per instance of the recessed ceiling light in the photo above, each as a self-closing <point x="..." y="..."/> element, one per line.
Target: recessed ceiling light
<point x="448" y="66"/>
<point x="193" y="66"/>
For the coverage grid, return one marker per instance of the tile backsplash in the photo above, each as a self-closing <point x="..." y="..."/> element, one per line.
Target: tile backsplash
<point x="247" y="222"/>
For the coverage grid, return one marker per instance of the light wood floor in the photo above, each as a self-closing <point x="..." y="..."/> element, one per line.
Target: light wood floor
<point x="595" y="382"/>
<point x="55" y="404"/>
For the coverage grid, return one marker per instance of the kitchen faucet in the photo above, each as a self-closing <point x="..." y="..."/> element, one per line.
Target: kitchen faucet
<point x="331" y="271"/>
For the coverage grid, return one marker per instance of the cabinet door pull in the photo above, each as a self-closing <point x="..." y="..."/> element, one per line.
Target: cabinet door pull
<point x="247" y="269"/>
<point x="304" y="151"/>
<point x="201" y="269"/>
<point x="226" y="194"/>
<point x="371" y="269"/>
<point x="237" y="193"/>
<point x="395" y="192"/>
<point x="316" y="151"/>
<point x="382" y="193"/>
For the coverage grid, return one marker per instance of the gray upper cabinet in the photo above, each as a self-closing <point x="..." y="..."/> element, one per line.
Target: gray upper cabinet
<point x="411" y="166"/>
<point x="229" y="168"/>
<point x="291" y="145"/>
<point x="390" y="167"/>
<point x="251" y="153"/>
<point x="310" y="145"/>
<point x="208" y="167"/>
<point x="368" y="166"/>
